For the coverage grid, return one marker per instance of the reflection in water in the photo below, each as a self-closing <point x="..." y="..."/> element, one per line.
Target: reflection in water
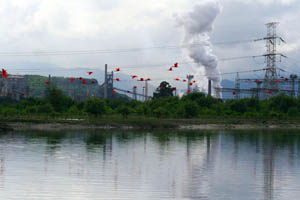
<point x="2" y="172"/>
<point x="268" y="151"/>
<point x="156" y="165"/>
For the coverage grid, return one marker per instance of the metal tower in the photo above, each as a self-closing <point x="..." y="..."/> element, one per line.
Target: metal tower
<point x="237" y="86"/>
<point x="110" y="84"/>
<point x="271" y="55"/>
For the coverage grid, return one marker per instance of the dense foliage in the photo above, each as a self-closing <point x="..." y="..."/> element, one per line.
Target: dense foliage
<point x="194" y="105"/>
<point x="163" y="90"/>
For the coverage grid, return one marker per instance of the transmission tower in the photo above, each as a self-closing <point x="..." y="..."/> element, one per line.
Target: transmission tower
<point x="271" y="55"/>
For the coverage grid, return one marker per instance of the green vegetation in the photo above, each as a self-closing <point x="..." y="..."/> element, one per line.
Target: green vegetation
<point x="163" y="90"/>
<point x="95" y="107"/>
<point x="166" y="111"/>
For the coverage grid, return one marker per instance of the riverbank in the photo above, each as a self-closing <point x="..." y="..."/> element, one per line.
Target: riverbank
<point x="149" y="124"/>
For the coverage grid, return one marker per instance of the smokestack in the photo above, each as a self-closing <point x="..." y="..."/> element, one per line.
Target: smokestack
<point x="209" y="87"/>
<point x="105" y="82"/>
<point x="197" y="25"/>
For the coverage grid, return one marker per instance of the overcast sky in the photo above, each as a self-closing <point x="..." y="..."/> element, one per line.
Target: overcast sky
<point x="76" y="25"/>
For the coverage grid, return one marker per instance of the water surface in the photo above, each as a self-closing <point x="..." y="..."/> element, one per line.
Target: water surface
<point x="150" y="165"/>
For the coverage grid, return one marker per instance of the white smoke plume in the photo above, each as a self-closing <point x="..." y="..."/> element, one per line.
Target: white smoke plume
<point x="198" y="24"/>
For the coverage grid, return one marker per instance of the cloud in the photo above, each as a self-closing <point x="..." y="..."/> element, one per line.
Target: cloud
<point x="264" y="2"/>
<point x="55" y="25"/>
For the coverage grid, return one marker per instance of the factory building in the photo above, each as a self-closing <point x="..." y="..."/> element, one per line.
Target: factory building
<point x="14" y="86"/>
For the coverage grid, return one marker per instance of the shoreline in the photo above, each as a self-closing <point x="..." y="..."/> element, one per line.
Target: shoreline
<point x="175" y="124"/>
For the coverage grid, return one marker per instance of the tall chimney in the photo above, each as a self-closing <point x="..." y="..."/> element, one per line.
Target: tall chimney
<point x="209" y="87"/>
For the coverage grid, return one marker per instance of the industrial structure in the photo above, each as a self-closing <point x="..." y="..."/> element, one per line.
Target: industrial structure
<point x="13" y="86"/>
<point x="109" y="89"/>
<point x="272" y="84"/>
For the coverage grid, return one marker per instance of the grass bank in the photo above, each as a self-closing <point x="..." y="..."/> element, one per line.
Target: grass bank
<point x="117" y="122"/>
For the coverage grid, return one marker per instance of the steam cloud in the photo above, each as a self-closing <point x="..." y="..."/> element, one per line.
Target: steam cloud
<point x="197" y="25"/>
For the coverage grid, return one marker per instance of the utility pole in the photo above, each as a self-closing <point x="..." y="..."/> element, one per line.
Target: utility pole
<point x="146" y="90"/>
<point x="105" y="82"/>
<point x="271" y="55"/>
<point x="144" y="93"/>
<point x="237" y="86"/>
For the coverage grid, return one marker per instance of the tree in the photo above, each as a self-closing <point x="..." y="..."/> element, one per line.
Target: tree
<point x="58" y="100"/>
<point x="190" y="109"/>
<point x="161" y="112"/>
<point x="124" y="111"/>
<point x="238" y="106"/>
<point x="282" y="103"/>
<point x="95" y="106"/>
<point x="163" y="90"/>
<point x="45" y="108"/>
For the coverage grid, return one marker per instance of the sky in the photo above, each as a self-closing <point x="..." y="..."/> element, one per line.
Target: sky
<point x="32" y="31"/>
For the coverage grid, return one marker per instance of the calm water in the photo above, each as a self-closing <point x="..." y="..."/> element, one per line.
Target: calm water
<point x="145" y="165"/>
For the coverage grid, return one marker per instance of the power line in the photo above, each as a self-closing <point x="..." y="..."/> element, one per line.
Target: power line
<point x="165" y="65"/>
<point x="111" y="51"/>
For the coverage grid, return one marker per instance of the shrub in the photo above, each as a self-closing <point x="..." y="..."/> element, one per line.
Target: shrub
<point x="95" y="106"/>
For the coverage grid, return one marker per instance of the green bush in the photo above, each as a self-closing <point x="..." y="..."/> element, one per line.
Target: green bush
<point x="190" y="109"/>
<point x="95" y="106"/>
<point x="293" y="112"/>
<point x="161" y="112"/>
<point x="45" y="109"/>
<point x="124" y="110"/>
